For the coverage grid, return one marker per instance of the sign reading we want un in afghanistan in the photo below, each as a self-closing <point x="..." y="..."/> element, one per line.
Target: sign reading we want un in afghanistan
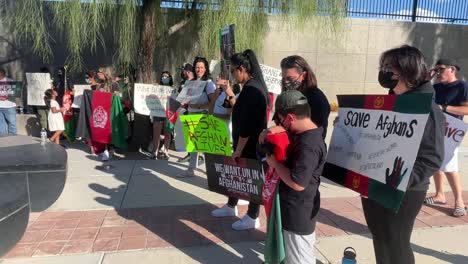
<point x="242" y="179"/>
<point x="375" y="143"/>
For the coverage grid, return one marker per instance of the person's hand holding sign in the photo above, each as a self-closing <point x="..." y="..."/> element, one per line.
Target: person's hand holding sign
<point x="396" y="176"/>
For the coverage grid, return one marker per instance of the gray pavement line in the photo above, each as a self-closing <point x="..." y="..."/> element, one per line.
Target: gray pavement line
<point x="14" y="212"/>
<point x="39" y="171"/>
<point x="321" y="253"/>
<point x="128" y="184"/>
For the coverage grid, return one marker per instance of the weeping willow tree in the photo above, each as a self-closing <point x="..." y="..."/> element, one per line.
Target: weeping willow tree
<point x="136" y="26"/>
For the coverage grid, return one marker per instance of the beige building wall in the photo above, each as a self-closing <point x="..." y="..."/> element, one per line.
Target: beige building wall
<point x="349" y="64"/>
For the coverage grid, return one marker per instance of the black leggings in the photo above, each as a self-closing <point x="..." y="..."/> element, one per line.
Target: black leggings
<point x="254" y="208"/>
<point x="391" y="233"/>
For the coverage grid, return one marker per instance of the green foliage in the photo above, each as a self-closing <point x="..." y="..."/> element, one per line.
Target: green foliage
<point x="84" y="25"/>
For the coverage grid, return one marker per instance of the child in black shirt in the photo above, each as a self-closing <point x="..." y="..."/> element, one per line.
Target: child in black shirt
<point x="300" y="176"/>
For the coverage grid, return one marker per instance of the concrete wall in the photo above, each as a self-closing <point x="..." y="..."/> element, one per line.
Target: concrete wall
<point x="350" y="64"/>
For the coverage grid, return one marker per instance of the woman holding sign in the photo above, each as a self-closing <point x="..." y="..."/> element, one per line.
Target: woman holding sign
<point x="248" y="121"/>
<point x="202" y="73"/>
<point x="403" y="71"/>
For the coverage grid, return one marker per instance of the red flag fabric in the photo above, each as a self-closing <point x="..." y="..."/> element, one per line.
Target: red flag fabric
<point x="100" y="120"/>
<point x="67" y="103"/>
<point x="281" y="142"/>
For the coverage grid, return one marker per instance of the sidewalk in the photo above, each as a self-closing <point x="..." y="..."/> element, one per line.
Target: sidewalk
<point x="137" y="210"/>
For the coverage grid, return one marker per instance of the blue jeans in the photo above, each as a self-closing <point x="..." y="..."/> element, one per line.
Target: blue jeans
<point x="8" y="121"/>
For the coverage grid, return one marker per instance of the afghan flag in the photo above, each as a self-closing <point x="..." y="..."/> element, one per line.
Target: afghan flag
<point x="68" y="119"/>
<point x="274" y="248"/>
<point x="102" y="119"/>
<point x="375" y="143"/>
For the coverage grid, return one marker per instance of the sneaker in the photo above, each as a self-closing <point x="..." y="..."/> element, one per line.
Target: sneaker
<point x="163" y="155"/>
<point x="184" y="159"/>
<point x="224" y="211"/>
<point x="246" y="223"/>
<point x="105" y="155"/>
<point x="187" y="174"/>
<point x="201" y="160"/>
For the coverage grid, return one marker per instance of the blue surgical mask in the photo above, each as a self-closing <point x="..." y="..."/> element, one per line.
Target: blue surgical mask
<point x="87" y="80"/>
<point x="165" y="80"/>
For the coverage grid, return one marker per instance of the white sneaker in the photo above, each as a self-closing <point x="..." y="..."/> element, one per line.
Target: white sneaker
<point x="246" y="223"/>
<point x="224" y="211"/>
<point x="105" y="155"/>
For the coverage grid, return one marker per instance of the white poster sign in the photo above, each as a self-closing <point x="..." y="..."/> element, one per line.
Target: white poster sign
<point x="192" y="92"/>
<point x="38" y="83"/>
<point x="272" y="78"/>
<point x="78" y="91"/>
<point x="151" y="99"/>
<point x="455" y="131"/>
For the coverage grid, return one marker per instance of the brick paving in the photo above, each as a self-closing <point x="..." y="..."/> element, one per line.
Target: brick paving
<point x="77" y="232"/>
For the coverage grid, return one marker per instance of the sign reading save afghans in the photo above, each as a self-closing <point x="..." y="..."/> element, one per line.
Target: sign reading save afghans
<point x="192" y="92"/>
<point x="38" y="83"/>
<point x="375" y="143"/>
<point x="206" y="134"/>
<point x="151" y="99"/>
<point x="242" y="179"/>
<point x="272" y="78"/>
<point x="455" y="130"/>
<point x="10" y="90"/>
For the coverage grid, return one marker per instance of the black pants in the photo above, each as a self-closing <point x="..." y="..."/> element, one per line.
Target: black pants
<point x="254" y="208"/>
<point x="391" y="233"/>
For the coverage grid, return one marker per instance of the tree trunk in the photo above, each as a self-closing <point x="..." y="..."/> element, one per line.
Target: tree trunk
<point x="148" y="42"/>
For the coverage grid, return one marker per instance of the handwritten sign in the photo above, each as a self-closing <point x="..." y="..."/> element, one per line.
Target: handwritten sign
<point x="455" y="131"/>
<point x="375" y="143"/>
<point x="272" y="78"/>
<point x="151" y="99"/>
<point x="10" y="90"/>
<point x="243" y="180"/>
<point x="38" y="83"/>
<point x="78" y="90"/>
<point x="192" y="92"/>
<point x="206" y="134"/>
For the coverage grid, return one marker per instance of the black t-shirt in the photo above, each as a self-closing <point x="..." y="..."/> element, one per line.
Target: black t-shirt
<point x="454" y="94"/>
<point x="306" y="156"/>
<point x="319" y="108"/>
<point x="249" y="116"/>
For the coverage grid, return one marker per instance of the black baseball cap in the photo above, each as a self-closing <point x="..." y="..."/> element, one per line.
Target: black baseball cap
<point x="288" y="100"/>
<point x="448" y="62"/>
<point x="186" y="67"/>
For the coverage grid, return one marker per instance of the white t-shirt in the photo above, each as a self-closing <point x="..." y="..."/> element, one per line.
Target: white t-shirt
<point x="6" y="103"/>
<point x="209" y="89"/>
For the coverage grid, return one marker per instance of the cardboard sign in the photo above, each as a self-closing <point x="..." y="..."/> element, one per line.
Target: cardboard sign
<point x="206" y="134"/>
<point x="38" y="83"/>
<point x="78" y="94"/>
<point x="243" y="180"/>
<point x="192" y="92"/>
<point x="11" y="90"/>
<point x="151" y="99"/>
<point x="375" y="143"/>
<point x="272" y="78"/>
<point x="228" y="48"/>
<point x="455" y="131"/>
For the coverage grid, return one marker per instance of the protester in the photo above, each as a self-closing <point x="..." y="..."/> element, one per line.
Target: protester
<point x="90" y="79"/>
<point x="451" y="95"/>
<point x="166" y="79"/>
<point x="298" y="75"/>
<point x="202" y="73"/>
<point x="104" y="79"/>
<point x="403" y="71"/>
<point x="54" y="118"/>
<point x="248" y="120"/>
<point x="187" y="75"/>
<point x="7" y="110"/>
<point x="300" y="176"/>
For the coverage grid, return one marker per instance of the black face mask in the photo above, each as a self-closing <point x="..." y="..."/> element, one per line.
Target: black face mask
<point x="386" y="81"/>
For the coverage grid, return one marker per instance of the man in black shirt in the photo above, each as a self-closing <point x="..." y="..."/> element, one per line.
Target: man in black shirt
<point x="300" y="176"/>
<point x="451" y="95"/>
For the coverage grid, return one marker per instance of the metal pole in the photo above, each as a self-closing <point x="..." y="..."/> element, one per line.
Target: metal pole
<point x="415" y="8"/>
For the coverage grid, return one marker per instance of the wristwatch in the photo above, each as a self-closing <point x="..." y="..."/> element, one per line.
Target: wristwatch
<point x="444" y="108"/>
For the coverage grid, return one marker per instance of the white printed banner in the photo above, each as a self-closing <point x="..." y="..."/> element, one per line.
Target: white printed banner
<point x="455" y="131"/>
<point x="272" y="78"/>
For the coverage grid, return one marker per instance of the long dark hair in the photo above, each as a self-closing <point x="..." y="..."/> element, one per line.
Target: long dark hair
<point x="249" y="62"/>
<point x="207" y="74"/>
<point x="171" y="81"/>
<point x="300" y="64"/>
<point x="48" y="95"/>
<point x="409" y="62"/>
